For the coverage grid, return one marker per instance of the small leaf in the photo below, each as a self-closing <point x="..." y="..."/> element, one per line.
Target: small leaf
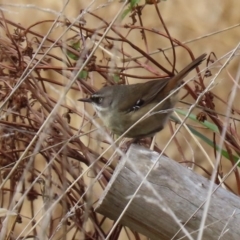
<point x="125" y="13"/>
<point x="83" y="74"/>
<point x="116" y="78"/>
<point x="72" y="56"/>
<point x="224" y="153"/>
<point x="206" y="123"/>
<point x="76" y="46"/>
<point x="133" y="3"/>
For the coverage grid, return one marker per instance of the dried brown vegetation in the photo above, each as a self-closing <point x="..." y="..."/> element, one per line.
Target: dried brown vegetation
<point x="51" y="158"/>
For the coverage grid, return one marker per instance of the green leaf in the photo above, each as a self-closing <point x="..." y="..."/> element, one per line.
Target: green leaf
<point x="206" y="123"/>
<point x="125" y="13"/>
<point x="133" y="3"/>
<point x="76" y="46"/>
<point x="83" y="74"/>
<point x="116" y="78"/>
<point x="224" y="153"/>
<point x="209" y="125"/>
<point x="72" y="56"/>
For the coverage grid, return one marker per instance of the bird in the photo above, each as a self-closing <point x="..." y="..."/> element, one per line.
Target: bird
<point x="120" y="106"/>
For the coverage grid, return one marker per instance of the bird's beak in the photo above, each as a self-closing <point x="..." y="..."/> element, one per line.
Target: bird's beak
<point x="85" y="100"/>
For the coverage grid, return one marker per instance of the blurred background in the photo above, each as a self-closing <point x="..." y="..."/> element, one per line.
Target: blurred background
<point x="206" y="26"/>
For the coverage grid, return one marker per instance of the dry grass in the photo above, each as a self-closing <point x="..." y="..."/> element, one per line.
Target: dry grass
<point x="54" y="165"/>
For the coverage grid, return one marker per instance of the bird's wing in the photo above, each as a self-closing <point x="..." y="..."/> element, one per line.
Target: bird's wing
<point x="149" y="91"/>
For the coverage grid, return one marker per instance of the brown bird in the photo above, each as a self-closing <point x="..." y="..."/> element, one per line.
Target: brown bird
<point x="120" y="106"/>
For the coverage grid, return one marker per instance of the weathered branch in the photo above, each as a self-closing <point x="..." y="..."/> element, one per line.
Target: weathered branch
<point x="178" y="190"/>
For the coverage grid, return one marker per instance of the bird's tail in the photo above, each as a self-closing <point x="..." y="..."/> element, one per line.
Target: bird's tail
<point x="174" y="81"/>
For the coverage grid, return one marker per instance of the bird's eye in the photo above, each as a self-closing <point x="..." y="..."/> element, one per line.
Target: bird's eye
<point x="97" y="100"/>
<point x="100" y="99"/>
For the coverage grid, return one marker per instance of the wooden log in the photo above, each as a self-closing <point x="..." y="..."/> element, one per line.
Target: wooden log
<point x="179" y="191"/>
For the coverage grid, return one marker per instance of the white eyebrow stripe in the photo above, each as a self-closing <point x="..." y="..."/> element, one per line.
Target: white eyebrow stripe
<point x="96" y="96"/>
<point x="100" y="108"/>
